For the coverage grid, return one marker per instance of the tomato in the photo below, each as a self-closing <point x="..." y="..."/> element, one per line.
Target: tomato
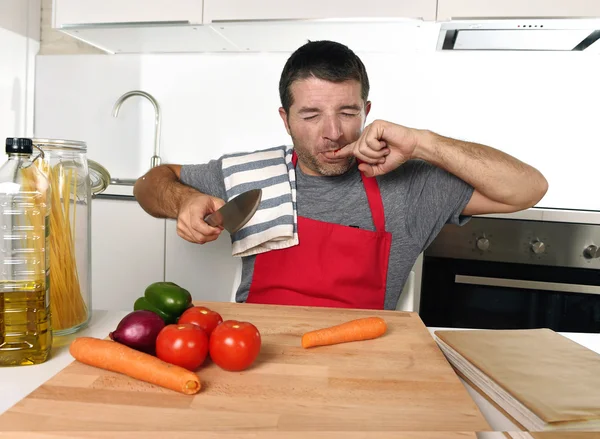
<point x="206" y="318"/>
<point x="183" y="345"/>
<point x="234" y="345"/>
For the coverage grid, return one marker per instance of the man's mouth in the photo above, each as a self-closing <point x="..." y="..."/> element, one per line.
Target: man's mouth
<point x="332" y="154"/>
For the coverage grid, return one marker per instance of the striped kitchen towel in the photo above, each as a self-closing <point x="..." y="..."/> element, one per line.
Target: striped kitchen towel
<point x="274" y="225"/>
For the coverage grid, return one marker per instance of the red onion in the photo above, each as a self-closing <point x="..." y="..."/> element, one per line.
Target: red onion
<point x="139" y="330"/>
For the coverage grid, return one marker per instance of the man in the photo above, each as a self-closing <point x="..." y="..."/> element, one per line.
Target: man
<point x="369" y="200"/>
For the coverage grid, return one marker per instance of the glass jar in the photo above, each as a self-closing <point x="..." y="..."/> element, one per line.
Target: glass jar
<point x="73" y="180"/>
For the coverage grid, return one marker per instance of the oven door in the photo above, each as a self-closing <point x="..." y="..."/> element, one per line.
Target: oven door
<point x="465" y="293"/>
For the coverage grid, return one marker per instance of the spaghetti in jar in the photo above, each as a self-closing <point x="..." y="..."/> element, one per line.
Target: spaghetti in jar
<point x="73" y="180"/>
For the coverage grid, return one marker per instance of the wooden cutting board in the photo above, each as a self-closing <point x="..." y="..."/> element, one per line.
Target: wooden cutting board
<point x="400" y="382"/>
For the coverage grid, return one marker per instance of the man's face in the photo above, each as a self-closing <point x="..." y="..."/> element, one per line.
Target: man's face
<point x="324" y="117"/>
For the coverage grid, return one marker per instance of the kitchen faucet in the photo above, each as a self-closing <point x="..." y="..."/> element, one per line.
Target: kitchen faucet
<point x="155" y="161"/>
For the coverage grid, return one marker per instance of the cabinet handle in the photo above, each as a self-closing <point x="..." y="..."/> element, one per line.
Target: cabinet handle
<point x="526" y="284"/>
<point x="124" y="23"/>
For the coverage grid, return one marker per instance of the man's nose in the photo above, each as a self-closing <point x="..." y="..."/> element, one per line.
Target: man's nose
<point x="332" y="128"/>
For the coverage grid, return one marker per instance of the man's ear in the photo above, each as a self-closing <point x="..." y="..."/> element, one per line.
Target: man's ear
<point x="284" y="117"/>
<point x="367" y="108"/>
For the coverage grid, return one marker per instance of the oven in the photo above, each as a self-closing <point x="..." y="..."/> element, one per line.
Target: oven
<point x="513" y="274"/>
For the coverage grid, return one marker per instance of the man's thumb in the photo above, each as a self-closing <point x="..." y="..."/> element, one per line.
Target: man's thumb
<point x="367" y="169"/>
<point x="217" y="203"/>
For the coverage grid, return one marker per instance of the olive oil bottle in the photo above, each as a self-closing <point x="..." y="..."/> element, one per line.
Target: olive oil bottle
<point x="25" y="321"/>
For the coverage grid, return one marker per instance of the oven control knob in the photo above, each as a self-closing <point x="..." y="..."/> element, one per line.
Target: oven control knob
<point x="591" y="252"/>
<point x="538" y="247"/>
<point x="483" y="244"/>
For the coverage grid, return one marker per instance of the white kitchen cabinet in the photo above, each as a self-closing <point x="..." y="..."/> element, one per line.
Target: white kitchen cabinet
<point x="207" y="271"/>
<point x="459" y="9"/>
<point x="378" y="26"/>
<point x="83" y="12"/>
<point x="411" y="293"/>
<point x="128" y="253"/>
<point x="193" y="26"/>
<point x="235" y="10"/>
<point x="138" y="26"/>
<point x="389" y="36"/>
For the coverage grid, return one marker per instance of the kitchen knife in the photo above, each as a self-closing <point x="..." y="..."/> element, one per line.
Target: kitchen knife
<point x="233" y="215"/>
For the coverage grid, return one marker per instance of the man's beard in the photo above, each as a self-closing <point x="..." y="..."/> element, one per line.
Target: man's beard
<point x="324" y="169"/>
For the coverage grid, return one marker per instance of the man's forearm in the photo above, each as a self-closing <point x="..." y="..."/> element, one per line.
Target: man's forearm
<point x="498" y="176"/>
<point x="160" y="193"/>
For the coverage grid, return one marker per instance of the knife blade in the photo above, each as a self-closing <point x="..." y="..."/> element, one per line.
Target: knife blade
<point x="234" y="214"/>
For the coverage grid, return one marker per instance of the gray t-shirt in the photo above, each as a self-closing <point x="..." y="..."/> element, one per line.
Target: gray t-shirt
<point x="418" y="200"/>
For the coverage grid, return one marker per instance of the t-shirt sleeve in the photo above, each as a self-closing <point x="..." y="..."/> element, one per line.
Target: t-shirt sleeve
<point x="435" y="198"/>
<point x="207" y="178"/>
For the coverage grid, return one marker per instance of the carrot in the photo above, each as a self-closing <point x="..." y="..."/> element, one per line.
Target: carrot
<point x="117" y="357"/>
<point x="354" y="330"/>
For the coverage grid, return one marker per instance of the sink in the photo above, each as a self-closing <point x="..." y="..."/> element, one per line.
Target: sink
<point x="119" y="188"/>
<point x="123" y="181"/>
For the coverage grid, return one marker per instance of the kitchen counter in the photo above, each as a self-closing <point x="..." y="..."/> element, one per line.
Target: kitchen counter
<point x="18" y="382"/>
<point x="550" y="215"/>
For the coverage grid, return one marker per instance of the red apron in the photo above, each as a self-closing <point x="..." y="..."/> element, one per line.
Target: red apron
<point x="332" y="266"/>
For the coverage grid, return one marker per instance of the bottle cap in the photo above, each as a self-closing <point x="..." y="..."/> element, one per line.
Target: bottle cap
<point x="19" y="145"/>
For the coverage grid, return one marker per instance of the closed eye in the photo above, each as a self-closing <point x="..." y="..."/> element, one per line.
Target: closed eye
<point x="314" y="116"/>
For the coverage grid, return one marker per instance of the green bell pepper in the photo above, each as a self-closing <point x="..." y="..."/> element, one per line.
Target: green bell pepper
<point x="166" y="299"/>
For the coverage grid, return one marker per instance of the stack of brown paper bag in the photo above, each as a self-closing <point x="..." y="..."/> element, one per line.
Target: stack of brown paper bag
<point x="540" y="379"/>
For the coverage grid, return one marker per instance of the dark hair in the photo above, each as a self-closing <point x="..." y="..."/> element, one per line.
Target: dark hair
<point x="325" y="60"/>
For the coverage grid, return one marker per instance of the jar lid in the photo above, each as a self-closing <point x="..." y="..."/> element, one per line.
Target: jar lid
<point x="61" y="143"/>
<point x="99" y="177"/>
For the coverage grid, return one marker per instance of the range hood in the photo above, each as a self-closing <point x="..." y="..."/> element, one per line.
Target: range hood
<point x="564" y="35"/>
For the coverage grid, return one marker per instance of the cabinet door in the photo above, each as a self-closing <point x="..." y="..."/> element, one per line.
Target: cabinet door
<point x="457" y="9"/>
<point x="128" y="253"/>
<point x="208" y="271"/>
<point x="70" y="12"/>
<point x="228" y="10"/>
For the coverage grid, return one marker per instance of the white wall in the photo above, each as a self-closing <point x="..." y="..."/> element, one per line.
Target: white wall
<point x="540" y="107"/>
<point x="19" y="43"/>
<point x="75" y="95"/>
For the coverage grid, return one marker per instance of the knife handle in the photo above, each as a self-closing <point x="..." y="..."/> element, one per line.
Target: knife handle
<point x="211" y="220"/>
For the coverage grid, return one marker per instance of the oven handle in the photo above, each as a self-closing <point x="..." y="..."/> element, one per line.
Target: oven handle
<point x="526" y="284"/>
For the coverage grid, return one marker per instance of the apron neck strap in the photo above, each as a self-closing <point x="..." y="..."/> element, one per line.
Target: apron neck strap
<point x="373" y="196"/>
<point x="375" y="201"/>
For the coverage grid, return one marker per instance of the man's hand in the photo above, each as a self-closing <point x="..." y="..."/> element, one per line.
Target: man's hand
<point x="382" y="147"/>
<point x="190" y="219"/>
